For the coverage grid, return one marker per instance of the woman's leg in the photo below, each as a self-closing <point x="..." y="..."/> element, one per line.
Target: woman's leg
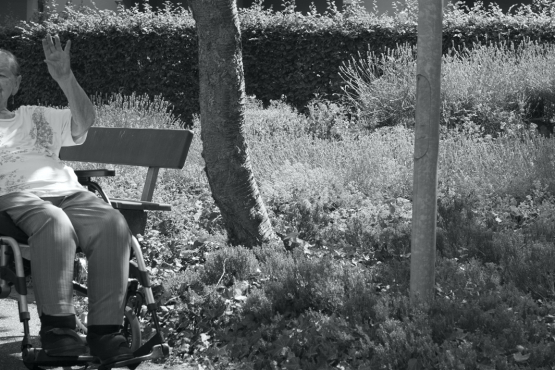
<point x="105" y="239"/>
<point x="53" y="241"/>
<point x="55" y="226"/>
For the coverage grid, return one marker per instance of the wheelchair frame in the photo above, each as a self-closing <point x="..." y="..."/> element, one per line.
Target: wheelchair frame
<point x="34" y="358"/>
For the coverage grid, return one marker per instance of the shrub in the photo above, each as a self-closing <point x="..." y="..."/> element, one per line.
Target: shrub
<point x="503" y="170"/>
<point x="298" y="283"/>
<point x="258" y="307"/>
<point x="478" y="316"/>
<point x="381" y="87"/>
<point x="461" y="233"/>
<point x="530" y="265"/>
<point x="327" y="120"/>
<point x="134" y="111"/>
<point x="229" y="264"/>
<point x="485" y="85"/>
<point x="293" y="167"/>
<point x="401" y="341"/>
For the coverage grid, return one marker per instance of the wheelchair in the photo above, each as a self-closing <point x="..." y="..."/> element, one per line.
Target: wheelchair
<point x="15" y="268"/>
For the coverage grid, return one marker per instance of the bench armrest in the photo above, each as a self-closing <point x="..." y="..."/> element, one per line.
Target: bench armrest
<point x="139" y="205"/>
<point x="95" y="173"/>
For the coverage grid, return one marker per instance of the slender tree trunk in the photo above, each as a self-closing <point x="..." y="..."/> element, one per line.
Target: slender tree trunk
<point x="426" y="147"/>
<point x="222" y="109"/>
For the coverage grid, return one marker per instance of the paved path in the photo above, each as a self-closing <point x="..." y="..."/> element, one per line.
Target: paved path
<point x="11" y="334"/>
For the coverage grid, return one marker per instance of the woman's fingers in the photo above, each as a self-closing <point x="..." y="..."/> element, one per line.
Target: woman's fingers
<point x="46" y="45"/>
<point x="57" y="43"/>
<point x="68" y="46"/>
<point x="50" y="44"/>
<point x="53" y="44"/>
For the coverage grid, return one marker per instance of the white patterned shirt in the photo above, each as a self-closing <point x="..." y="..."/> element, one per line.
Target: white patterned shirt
<point x="30" y="145"/>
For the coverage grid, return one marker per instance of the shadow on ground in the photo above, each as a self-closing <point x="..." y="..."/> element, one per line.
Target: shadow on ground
<point x="10" y="353"/>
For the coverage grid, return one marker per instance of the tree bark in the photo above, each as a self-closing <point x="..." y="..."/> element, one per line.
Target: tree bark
<point x="222" y="109"/>
<point x="426" y="148"/>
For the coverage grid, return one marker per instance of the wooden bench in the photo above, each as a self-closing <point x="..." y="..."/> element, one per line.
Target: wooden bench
<point x="152" y="148"/>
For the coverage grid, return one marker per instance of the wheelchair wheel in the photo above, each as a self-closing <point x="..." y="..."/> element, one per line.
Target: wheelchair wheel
<point x="131" y="328"/>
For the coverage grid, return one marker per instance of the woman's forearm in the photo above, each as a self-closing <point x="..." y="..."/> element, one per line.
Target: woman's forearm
<point x="82" y="110"/>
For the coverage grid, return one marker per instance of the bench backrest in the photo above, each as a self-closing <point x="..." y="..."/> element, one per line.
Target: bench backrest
<point x="152" y="148"/>
<point x="132" y="146"/>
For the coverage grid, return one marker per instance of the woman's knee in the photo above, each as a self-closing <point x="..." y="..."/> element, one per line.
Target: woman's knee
<point x="48" y="219"/>
<point x="111" y="239"/>
<point x="114" y="224"/>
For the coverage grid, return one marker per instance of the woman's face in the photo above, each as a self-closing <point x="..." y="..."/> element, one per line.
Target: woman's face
<point x="9" y="82"/>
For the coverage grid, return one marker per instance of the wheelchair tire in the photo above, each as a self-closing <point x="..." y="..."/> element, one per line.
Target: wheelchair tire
<point x="131" y="328"/>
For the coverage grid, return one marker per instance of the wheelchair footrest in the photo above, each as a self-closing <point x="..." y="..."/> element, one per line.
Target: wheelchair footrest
<point x="158" y="351"/>
<point x="37" y="357"/>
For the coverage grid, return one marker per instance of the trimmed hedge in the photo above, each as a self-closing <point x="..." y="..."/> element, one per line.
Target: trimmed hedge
<point x="142" y="53"/>
<point x="284" y="53"/>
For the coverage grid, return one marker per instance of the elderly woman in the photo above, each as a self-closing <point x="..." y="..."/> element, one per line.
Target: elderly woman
<point x="42" y="198"/>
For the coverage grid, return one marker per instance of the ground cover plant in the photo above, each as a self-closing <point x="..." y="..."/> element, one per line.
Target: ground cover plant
<point x="337" y="181"/>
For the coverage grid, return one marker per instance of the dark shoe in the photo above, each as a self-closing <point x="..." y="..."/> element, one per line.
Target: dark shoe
<point x="109" y="348"/>
<point x="62" y="342"/>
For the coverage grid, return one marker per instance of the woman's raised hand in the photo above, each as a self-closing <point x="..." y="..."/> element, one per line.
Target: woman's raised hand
<point x="57" y="58"/>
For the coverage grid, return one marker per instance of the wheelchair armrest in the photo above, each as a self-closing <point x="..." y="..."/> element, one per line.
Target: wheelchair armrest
<point x="94" y="173"/>
<point x="84" y="178"/>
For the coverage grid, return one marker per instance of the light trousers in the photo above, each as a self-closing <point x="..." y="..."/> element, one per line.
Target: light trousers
<point x="56" y="226"/>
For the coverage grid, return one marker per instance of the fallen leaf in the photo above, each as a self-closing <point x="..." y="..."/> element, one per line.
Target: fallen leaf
<point x="240" y="298"/>
<point x="519" y="357"/>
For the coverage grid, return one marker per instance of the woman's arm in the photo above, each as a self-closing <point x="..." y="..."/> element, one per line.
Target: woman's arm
<point x="58" y="60"/>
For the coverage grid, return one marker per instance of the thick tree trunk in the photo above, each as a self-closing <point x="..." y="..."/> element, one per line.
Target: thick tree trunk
<point x="222" y="108"/>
